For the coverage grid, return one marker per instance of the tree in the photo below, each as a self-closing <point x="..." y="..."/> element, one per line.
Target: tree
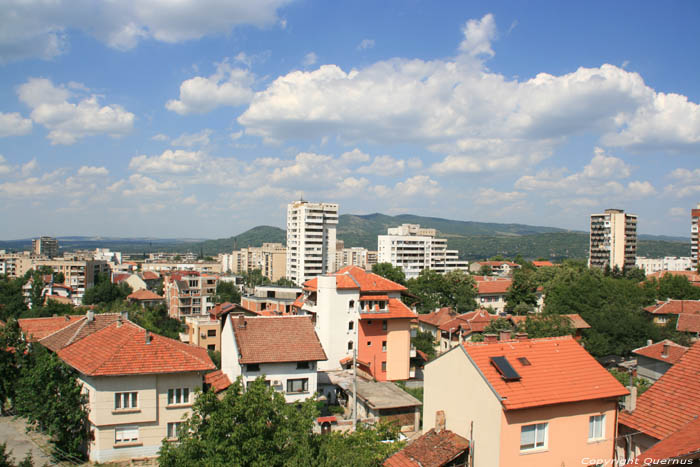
<point x="12" y="360"/>
<point x="12" y="304"/>
<point x="624" y="378"/>
<point x="425" y="342"/>
<point x="215" y="356"/>
<point x="284" y="282"/>
<point x="548" y="325"/>
<point x="49" y="396"/>
<point x="485" y="270"/>
<point x="387" y="271"/>
<point x="433" y="290"/>
<point x="157" y="320"/>
<point x="498" y="325"/>
<point x="227" y="292"/>
<point x="253" y="278"/>
<point x="523" y="289"/>
<point x="364" y="447"/>
<point x="104" y="291"/>
<point x="675" y="287"/>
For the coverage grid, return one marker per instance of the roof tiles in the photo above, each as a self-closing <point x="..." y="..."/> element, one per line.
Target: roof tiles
<point x="395" y="309"/>
<point x="433" y="449"/>
<point x="38" y="328"/>
<point x="353" y="277"/>
<point x="656" y="351"/>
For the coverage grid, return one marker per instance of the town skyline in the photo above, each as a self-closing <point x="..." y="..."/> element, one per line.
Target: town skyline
<point x="205" y="122"/>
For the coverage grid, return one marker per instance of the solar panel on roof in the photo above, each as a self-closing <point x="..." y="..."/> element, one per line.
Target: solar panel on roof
<point x="505" y="368"/>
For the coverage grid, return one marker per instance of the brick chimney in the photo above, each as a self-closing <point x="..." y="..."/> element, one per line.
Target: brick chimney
<point x="664" y="350"/>
<point x="490" y="337"/>
<point x="631" y="401"/>
<point x="521" y="336"/>
<point x="241" y="321"/>
<point x="504" y="335"/>
<point x="440" y="421"/>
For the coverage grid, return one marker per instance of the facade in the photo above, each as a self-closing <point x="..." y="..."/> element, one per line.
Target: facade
<point x="13" y="263"/>
<point x="272" y="298"/>
<point x="311" y="240"/>
<point x="202" y="267"/>
<point x="613" y="240"/>
<point x="355" y="256"/>
<point x="284" y="350"/>
<point x="138" y="385"/>
<point x="499" y="268"/>
<point x="357" y="310"/>
<point x="695" y="238"/>
<point x="668" y="263"/>
<point x="654" y="360"/>
<point x="189" y="293"/>
<point x="270" y="258"/>
<point x="45" y="246"/>
<point x="531" y="403"/>
<point x="204" y="331"/>
<point x="80" y="274"/>
<point x="413" y="249"/>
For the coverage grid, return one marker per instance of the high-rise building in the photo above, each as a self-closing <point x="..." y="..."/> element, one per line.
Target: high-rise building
<point x="270" y="258"/>
<point x="695" y="237"/>
<point x="613" y="240"/>
<point x="311" y="239"/>
<point x="414" y="249"/>
<point x="45" y="246"/>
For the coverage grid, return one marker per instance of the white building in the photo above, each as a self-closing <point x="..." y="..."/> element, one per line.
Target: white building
<point x="414" y="249"/>
<point x="283" y="349"/>
<point x="668" y="263"/>
<point x="613" y="240"/>
<point x="695" y="236"/>
<point x="310" y="239"/>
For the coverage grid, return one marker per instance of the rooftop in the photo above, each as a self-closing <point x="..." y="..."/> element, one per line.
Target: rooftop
<point x="38" y="328"/>
<point x="688" y="323"/>
<point x="384" y="395"/>
<point x="144" y="294"/>
<point x="438" y="317"/>
<point x="217" y="380"/>
<point x="500" y="286"/>
<point x="354" y="277"/>
<point x="395" y="309"/>
<point x="433" y="449"/>
<point x="674" y="307"/>
<point x="576" y="320"/>
<point x="684" y="443"/>
<point x="656" y="351"/>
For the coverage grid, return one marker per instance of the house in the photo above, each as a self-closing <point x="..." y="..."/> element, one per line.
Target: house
<point x="386" y="402"/>
<point x="283" y="349"/>
<point x="273" y="298"/>
<point x="189" y="293"/>
<point x="662" y="311"/>
<point x="145" y="298"/>
<point x="690" y="324"/>
<point x="431" y="322"/>
<point x="654" y="360"/>
<point x="492" y="293"/>
<point x="692" y="276"/>
<point x="139" y="385"/>
<point x="662" y="423"/>
<point x="500" y="268"/>
<point x="357" y="309"/>
<point x="437" y="447"/>
<point x="463" y="327"/>
<point x="577" y="322"/>
<point x="134" y="281"/>
<point x="529" y="402"/>
<point x="542" y="264"/>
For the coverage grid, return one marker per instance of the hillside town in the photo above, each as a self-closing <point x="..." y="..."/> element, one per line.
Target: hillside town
<point x="432" y="359"/>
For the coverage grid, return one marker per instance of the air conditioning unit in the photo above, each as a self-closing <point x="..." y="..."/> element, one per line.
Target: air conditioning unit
<point x="277" y="383"/>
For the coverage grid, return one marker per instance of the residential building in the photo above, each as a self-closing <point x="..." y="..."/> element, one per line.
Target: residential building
<point x="668" y="263"/>
<point x="413" y="249"/>
<point x="695" y="238"/>
<point x="463" y="328"/>
<point x="578" y="323"/>
<point x="133" y="280"/>
<point x="498" y="268"/>
<point x="271" y="298"/>
<point x="310" y="239"/>
<point x="525" y="403"/>
<point x="663" y="311"/>
<point x="270" y="259"/>
<point x="145" y="298"/>
<point x="285" y="350"/>
<point x="189" y="293"/>
<point x="355" y="256"/>
<point x="45" y="246"/>
<point x="431" y="322"/>
<point x="613" y="240"/>
<point x="542" y="264"/>
<point x="139" y="385"/>
<point x="663" y="421"/>
<point x="202" y="267"/>
<point x="692" y="276"/>
<point x="14" y="264"/>
<point x="385" y="402"/>
<point x="80" y="274"/>
<point x="357" y="310"/>
<point x="203" y="331"/>
<point x="653" y="360"/>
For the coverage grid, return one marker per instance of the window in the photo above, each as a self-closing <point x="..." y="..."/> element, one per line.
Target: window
<point x="211" y="332"/>
<point x="303" y="365"/>
<point x="384" y="325"/>
<point x="369" y="343"/>
<point x="173" y="429"/>
<point x="596" y="427"/>
<point x="126" y="400"/>
<point x="298" y="385"/>
<point x="252" y="367"/>
<point x="383" y="346"/>
<point x="178" y="396"/>
<point x="533" y="436"/>
<point x="383" y="366"/>
<point x="349" y="345"/>
<point x="351" y="304"/>
<point x="351" y="325"/>
<point x="126" y="434"/>
<point x="211" y="347"/>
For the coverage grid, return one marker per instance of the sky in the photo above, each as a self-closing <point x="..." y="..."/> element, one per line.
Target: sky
<point x="204" y="118"/>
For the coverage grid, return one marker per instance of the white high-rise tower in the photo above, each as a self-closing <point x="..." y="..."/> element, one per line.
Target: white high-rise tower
<point x="310" y="239"/>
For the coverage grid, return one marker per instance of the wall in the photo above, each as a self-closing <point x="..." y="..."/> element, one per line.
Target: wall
<point x="453" y="384"/>
<point x="370" y="338"/>
<point x="333" y="314"/>
<point x="399" y="349"/>
<point x="282" y="372"/>
<point x="651" y="368"/>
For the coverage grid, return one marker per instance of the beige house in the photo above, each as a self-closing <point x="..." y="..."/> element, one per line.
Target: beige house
<point x="139" y="385"/>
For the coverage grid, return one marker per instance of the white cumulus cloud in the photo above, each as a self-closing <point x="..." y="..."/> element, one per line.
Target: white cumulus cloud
<point x="13" y="124"/>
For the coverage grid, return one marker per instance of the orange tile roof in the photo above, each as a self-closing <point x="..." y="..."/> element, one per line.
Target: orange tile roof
<point x="353" y="277"/>
<point x="655" y="351"/>
<point x="693" y="277"/>
<point x="670" y="403"/>
<point x="576" y="320"/>
<point x="374" y="297"/>
<point x="674" y="307"/>
<point x="78" y="330"/>
<point x="498" y="264"/>
<point x="561" y="371"/>
<point x="688" y="323"/>
<point x="396" y="309"/>
<point x="473" y="321"/>
<point x="217" y="380"/>
<point x="542" y="264"/>
<point x="277" y="339"/>
<point x="150" y="275"/>
<point x="436" y="318"/>
<point x="38" y="328"/>
<point x="144" y="294"/>
<point x="123" y="350"/>
<point x="433" y="449"/>
<point x="493" y="287"/>
<point x="684" y="443"/>
<point x="117" y="278"/>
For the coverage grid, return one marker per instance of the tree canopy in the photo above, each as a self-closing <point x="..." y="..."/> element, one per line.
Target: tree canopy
<point x="393" y="273"/>
<point x="227" y="291"/>
<point x="104" y="291"/>
<point x="433" y="290"/>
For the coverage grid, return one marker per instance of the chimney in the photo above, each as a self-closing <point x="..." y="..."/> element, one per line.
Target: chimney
<point x="67" y="317"/>
<point x="504" y="335"/>
<point x="119" y="321"/>
<point x="664" y="351"/>
<point x="490" y="337"/>
<point x="631" y="401"/>
<point x="521" y="336"/>
<point x="124" y="315"/>
<point x="439" y="421"/>
<point x="241" y="321"/>
<point x="649" y="342"/>
<point x="148" y="338"/>
<point x="90" y="315"/>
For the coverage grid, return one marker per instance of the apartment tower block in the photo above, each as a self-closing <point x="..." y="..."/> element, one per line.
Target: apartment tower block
<point x="613" y="240"/>
<point x="695" y="237"/>
<point x="310" y="239"/>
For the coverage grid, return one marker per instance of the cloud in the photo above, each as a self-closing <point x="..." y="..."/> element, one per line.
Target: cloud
<point x="309" y="59"/>
<point x="366" y="44"/>
<point x="68" y="122"/>
<point x="38" y="29"/>
<point x="488" y="196"/>
<point x="678" y="212"/>
<point x="686" y="183"/>
<point x="193" y="139"/>
<point x="141" y="185"/>
<point x="602" y="166"/>
<point x="91" y="171"/>
<point x="384" y="166"/>
<point x="160" y="137"/>
<point x="169" y="161"/>
<point x="418" y="185"/>
<point x="4" y="166"/>
<point x="478" y="35"/>
<point x="190" y="200"/>
<point x="29" y="167"/>
<point x="13" y="124"/>
<point x="228" y="86"/>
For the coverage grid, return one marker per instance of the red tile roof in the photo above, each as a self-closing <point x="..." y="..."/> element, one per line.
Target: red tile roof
<point x="38" y="328"/>
<point x="124" y="350"/>
<point x="277" y="339"/>
<point x="693" y="277"/>
<point x="498" y="264"/>
<point x="670" y="403"/>
<point x="436" y="318"/>
<point x="144" y="294"/>
<point x="542" y="264"/>
<point x="684" y="443"/>
<point x="494" y="287"/>
<point x="655" y="351"/>
<point x="217" y="380"/>
<point x="78" y="330"/>
<point x="561" y="371"/>
<point x="576" y="320"/>
<point x="675" y="307"/>
<point x="117" y="278"/>
<point x="150" y="275"/>
<point x="433" y="449"/>
<point x="473" y="321"/>
<point x="353" y="277"/>
<point x="374" y="297"/>
<point x="395" y="309"/>
<point x="688" y="323"/>
<point x="228" y="307"/>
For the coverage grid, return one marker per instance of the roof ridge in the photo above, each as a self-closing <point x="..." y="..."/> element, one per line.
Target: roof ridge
<point x="180" y="348"/>
<point x="114" y="354"/>
<point x="64" y="327"/>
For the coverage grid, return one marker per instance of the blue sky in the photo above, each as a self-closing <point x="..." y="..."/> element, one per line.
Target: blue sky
<point x="138" y="118"/>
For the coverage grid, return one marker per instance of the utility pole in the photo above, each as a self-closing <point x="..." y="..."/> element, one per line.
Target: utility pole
<point x="354" y="387"/>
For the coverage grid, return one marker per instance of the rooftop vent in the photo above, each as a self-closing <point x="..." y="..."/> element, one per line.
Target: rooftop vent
<point x="524" y="361"/>
<point x="505" y="369"/>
